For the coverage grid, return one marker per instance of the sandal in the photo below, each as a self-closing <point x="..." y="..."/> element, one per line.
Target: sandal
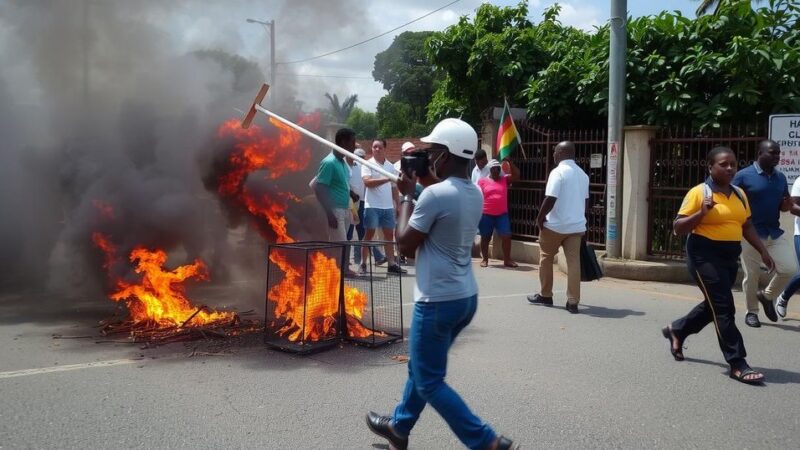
<point x="744" y="372"/>
<point x="484" y="263"/>
<point x="667" y="333"/>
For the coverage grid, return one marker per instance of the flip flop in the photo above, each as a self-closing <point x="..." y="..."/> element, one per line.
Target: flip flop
<point x="745" y="371"/>
<point x="512" y="264"/>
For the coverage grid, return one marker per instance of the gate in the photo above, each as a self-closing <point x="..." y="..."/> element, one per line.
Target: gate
<point x="535" y="162"/>
<point x="677" y="163"/>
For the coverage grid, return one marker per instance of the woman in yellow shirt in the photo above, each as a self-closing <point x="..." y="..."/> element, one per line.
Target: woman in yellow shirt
<point x="716" y="215"/>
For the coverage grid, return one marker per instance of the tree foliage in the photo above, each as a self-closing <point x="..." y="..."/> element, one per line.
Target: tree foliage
<point x="364" y="123"/>
<point x="339" y="112"/>
<point x="484" y="60"/>
<point x="406" y="73"/>
<point x="396" y="119"/>
<point x="739" y="64"/>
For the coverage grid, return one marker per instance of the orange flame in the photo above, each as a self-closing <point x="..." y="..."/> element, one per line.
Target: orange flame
<point x="254" y="150"/>
<point x="159" y="297"/>
<point x="314" y="316"/>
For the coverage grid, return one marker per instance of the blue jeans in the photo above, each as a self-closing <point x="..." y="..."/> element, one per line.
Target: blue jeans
<point x="376" y="253"/>
<point x="794" y="283"/>
<point x="434" y="327"/>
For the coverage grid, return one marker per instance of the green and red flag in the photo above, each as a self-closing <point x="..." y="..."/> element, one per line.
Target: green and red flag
<point x="508" y="138"/>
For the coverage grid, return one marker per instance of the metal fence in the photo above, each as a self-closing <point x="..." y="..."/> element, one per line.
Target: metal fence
<point x="677" y="163"/>
<point x="535" y="162"/>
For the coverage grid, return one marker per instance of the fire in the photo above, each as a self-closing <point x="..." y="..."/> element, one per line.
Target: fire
<point x="254" y="150"/>
<point x="319" y="310"/>
<point x="159" y="297"/>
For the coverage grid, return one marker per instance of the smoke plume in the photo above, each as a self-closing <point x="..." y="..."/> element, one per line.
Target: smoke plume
<point x="108" y="116"/>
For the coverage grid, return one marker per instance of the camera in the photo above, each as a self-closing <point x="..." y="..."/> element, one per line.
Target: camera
<point x="416" y="162"/>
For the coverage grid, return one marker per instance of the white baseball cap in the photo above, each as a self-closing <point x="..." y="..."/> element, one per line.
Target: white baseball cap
<point x="493" y="163"/>
<point x="360" y="152"/>
<point x="407" y="146"/>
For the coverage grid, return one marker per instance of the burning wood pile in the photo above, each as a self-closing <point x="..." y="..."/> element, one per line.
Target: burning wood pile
<point x="159" y="311"/>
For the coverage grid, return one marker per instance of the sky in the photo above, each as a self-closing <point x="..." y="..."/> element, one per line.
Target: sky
<point x="381" y="15"/>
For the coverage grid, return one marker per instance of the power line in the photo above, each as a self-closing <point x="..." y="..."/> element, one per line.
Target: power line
<point x="320" y="76"/>
<point x="370" y="39"/>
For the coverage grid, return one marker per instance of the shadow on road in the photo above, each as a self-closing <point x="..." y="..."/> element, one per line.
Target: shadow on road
<point x="781" y="326"/>
<point x="773" y="376"/>
<point x="608" y="313"/>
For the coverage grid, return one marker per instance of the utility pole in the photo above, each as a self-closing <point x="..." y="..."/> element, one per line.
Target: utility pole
<point x="616" y="120"/>
<point x="272" y="52"/>
<point x="271" y="28"/>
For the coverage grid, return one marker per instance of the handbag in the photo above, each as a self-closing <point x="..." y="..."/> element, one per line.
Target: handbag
<point x="590" y="268"/>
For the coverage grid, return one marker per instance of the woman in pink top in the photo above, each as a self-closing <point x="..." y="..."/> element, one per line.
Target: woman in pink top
<point x="495" y="210"/>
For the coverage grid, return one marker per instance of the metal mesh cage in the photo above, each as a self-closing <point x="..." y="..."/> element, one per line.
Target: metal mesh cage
<point x="304" y="282"/>
<point x="373" y="303"/>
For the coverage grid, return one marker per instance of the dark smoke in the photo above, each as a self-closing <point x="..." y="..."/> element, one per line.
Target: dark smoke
<point x="108" y="103"/>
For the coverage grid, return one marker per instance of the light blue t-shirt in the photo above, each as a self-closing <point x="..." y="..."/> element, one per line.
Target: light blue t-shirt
<point x="448" y="212"/>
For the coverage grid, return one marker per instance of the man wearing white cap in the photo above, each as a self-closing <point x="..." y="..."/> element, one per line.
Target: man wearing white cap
<point x="439" y="230"/>
<point x="406" y="149"/>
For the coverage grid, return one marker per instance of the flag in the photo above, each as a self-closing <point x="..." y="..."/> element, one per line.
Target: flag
<point x="507" y="135"/>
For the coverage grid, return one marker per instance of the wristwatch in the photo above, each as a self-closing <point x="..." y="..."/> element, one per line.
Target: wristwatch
<point x="406" y="199"/>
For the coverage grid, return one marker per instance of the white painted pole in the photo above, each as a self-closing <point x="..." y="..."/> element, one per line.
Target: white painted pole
<point x="256" y="106"/>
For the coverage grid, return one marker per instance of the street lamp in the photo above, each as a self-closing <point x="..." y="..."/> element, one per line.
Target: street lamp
<point x="271" y="27"/>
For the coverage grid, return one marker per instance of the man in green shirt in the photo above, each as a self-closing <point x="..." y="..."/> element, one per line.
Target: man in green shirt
<point x="332" y="187"/>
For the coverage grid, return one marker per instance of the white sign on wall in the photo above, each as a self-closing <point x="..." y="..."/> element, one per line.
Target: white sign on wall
<point x="785" y="130"/>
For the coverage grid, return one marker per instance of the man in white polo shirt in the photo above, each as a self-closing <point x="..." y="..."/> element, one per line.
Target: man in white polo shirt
<point x="562" y="223"/>
<point x="380" y="205"/>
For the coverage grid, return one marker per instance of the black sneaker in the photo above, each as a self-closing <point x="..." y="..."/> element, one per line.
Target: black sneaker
<point x="572" y="307"/>
<point x="362" y="269"/>
<point x="504" y="443"/>
<point x="394" y="268"/>
<point x="381" y="425"/>
<point x="539" y="300"/>
<point x="751" y="320"/>
<point x="403" y="261"/>
<point x="769" y="307"/>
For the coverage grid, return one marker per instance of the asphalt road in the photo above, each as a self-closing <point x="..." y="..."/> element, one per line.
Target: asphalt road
<point x="548" y="379"/>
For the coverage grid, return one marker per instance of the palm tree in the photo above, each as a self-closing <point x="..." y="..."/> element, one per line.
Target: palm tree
<point x="707" y="5"/>
<point x="340" y="112"/>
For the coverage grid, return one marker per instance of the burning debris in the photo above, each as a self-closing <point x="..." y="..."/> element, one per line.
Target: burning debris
<point x="158" y="308"/>
<point x="310" y="305"/>
<point x="244" y="178"/>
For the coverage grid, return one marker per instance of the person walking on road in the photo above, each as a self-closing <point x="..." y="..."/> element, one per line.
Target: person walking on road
<point x="439" y="231"/>
<point x="782" y="301"/>
<point x="716" y="215"/>
<point x="768" y="193"/>
<point x="562" y="223"/>
<point x="495" y="210"/>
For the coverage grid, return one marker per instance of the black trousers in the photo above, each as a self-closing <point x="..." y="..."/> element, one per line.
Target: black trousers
<point x="714" y="265"/>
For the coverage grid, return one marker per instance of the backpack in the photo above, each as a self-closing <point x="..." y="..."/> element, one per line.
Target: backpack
<point x="707" y="191"/>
